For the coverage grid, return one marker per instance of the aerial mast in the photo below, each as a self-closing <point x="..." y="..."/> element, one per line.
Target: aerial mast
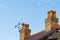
<point x="19" y="24"/>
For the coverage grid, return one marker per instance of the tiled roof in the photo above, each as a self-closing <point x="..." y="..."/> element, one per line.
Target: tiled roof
<point x="37" y="33"/>
<point x="44" y="34"/>
<point x="41" y="35"/>
<point x="56" y="27"/>
<point x="54" y="35"/>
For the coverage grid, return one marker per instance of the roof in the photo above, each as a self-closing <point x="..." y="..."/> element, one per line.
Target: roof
<point x="56" y="27"/>
<point x="53" y="36"/>
<point x="43" y="34"/>
<point x="37" y="33"/>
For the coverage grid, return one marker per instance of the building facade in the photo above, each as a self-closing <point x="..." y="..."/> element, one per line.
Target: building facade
<point x="51" y="32"/>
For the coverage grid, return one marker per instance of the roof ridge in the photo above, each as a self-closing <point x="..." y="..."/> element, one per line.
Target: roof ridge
<point x="37" y="33"/>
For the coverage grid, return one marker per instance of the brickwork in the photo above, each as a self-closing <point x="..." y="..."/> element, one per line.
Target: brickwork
<point x="58" y="34"/>
<point x="51" y="20"/>
<point x="25" y="31"/>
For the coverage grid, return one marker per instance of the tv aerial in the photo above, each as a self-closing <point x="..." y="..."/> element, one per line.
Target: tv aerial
<point x="19" y="24"/>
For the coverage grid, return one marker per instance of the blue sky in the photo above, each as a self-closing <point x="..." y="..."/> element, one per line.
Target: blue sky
<point x="33" y="13"/>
